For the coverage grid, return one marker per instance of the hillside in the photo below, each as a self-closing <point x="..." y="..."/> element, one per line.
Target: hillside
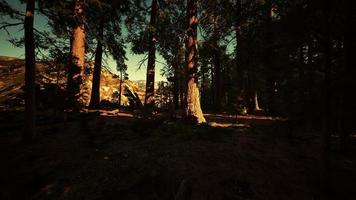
<point x="12" y="72"/>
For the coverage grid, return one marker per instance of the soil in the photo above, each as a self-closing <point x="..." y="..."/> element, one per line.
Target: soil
<point x="117" y="156"/>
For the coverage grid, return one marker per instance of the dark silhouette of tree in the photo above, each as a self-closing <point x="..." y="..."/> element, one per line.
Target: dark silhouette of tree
<point x="30" y="68"/>
<point x="150" y="75"/>
<point x="95" y="93"/>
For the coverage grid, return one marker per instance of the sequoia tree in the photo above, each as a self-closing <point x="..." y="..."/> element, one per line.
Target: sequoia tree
<point x="77" y="52"/>
<point x="193" y="109"/>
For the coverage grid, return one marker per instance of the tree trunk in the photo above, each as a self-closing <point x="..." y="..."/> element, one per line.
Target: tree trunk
<point x="217" y="75"/>
<point x="204" y="84"/>
<point x="302" y="89"/>
<point x="120" y="88"/>
<point x="217" y="66"/>
<point x="77" y="51"/>
<point x="255" y="101"/>
<point x="193" y="109"/>
<point x="325" y="142"/>
<point x="176" y="86"/>
<point x="271" y="80"/>
<point x="349" y="84"/>
<point x="30" y="74"/>
<point x="150" y="76"/>
<point x="239" y="71"/>
<point x="95" y="91"/>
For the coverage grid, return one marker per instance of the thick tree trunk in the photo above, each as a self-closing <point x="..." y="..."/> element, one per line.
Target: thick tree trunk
<point x="193" y="109"/>
<point x="349" y="84"/>
<point x="95" y="92"/>
<point x="30" y="74"/>
<point x="76" y="68"/>
<point x="150" y="76"/>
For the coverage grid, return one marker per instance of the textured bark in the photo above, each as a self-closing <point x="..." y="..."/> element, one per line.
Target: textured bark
<point x="30" y="70"/>
<point x="193" y="109"/>
<point x="76" y="68"/>
<point x="95" y="92"/>
<point x="150" y="76"/>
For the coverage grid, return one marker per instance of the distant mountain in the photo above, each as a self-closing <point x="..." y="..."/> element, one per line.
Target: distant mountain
<point x="12" y="72"/>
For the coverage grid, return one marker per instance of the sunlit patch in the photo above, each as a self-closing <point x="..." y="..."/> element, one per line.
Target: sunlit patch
<point x="227" y="125"/>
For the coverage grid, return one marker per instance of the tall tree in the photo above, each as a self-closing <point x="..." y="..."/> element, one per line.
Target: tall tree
<point x="121" y="68"/>
<point x="95" y="93"/>
<point x="349" y="82"/>
<point x="193" y="109"/>
<point x="30" y="68"/>
<point x="76" y="68"/>
<point x="325" y="143"/>
<point x="150" y="75"/>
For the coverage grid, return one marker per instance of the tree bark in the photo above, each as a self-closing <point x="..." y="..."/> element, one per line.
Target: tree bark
<point x="239" y="70"/>
<point x="349" y="84"/>
<point x="271" y="80"/>
<point x="30" y="75"/>
<point x="150" y="76"/>
<point x="76" y="68"/>
<point x="325" y="142"/>
<point x="95" y="92"/>
<point x="176" y="86"/>
<point x="193" y="109"/>
<point x="217" y="66"/>
<point x="255" y="101"/>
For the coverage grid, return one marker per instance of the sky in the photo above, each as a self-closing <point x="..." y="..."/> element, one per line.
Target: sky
<point x="40" y="23"/>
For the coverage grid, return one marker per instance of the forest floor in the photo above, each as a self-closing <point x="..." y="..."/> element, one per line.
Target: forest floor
<point x="117" y="156"/>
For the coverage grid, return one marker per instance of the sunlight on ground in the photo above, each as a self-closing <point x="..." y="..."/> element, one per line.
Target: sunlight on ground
<point x="226" y="125"/>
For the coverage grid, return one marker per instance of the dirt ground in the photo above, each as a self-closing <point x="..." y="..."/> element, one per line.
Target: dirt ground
<point x="116" y="156"/>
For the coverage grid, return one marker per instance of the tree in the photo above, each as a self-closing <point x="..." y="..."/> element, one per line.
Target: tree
<point x="123" y="76"/>
<point x="150" y="75"/>
<point x="76" y="68"/>
<point x="193" y="109"/>
<point x="95" y="93"/>
<point x="104" y="24"/>
<point x="30" y="67"/>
